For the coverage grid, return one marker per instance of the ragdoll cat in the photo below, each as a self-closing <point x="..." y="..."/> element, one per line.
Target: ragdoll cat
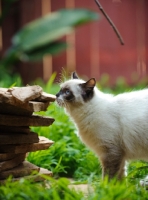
<point x="114" y="127"/>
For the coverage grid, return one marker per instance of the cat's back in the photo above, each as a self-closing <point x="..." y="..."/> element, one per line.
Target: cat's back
<point x="133" y="95"/>
<point x="133" y="109"/>
<point x="136" y="100"/>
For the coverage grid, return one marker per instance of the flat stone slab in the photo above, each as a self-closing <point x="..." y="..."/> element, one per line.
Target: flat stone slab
<point x="7" y="156"/>
<point x="37" y="106"/>
<point x="25" y="94"/>
<point x="24" y="169"/>
<point x="43" y="144"/>
<point x="15" y="129"/>
<point x="34" y="120"/>
<point x="9" y="164"/>
<point x="24" y="100"/>
<point x="23" y="108"/>
<point x="19" y="109"/>
<point x="36" y="178"/>
<point x="6" y="138"/>
<point x="46" y="97"/>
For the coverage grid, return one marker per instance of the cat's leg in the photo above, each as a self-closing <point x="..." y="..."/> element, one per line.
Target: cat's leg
<point x="112" y="165"/>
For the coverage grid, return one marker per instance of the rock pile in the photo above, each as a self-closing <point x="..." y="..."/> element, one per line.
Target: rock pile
<point x="17" y="106"/>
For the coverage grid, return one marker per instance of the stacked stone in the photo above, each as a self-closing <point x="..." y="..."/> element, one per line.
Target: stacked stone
<point x="17" y="107"/>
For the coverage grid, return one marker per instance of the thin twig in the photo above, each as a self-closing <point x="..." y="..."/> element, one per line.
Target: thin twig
<point x="110" y="21"/>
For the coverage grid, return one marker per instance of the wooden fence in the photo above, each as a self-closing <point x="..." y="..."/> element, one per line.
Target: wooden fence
<point x="95" y="49"/>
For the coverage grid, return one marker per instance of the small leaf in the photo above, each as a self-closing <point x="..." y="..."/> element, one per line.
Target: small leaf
<point x="38" y="53"/>
<point x="51" y="27"/>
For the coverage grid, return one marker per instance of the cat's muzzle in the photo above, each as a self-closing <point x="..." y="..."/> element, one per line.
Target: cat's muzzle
<point x="60" y="102"/>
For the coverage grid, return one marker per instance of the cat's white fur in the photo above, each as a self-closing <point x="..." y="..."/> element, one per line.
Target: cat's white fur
<point x="114" y="127"/>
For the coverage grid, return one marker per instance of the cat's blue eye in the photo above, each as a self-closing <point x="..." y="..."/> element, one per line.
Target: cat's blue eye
<point x="67" y="92"/>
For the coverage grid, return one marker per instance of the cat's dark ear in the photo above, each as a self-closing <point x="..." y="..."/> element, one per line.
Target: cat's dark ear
<point x="90" y="84"/>
<point x="74" y="76"/>
<point x="87" y="89"/>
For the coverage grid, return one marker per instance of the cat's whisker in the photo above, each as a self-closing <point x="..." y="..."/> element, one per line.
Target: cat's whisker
<point x="65" y="104"/>
<point x="63" y="76"/>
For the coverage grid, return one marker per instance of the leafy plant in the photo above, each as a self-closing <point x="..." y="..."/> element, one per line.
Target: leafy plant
<point x="45" y="31"/>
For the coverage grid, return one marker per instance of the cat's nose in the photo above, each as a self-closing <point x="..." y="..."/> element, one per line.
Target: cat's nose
<point x="57" y="95"/>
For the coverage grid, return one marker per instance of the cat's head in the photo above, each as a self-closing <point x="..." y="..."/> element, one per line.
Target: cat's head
<point x="75" y="91"/>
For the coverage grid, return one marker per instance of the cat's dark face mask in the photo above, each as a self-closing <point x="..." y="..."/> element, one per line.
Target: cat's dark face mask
<point x="66" y="93"/>
<point x="69" y="93"/>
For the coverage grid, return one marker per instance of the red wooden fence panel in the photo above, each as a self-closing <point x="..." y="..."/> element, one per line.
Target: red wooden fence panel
<point x="115" y="59"/>
<point x="30" y="10"/>
<point x="96" y="49"/>
<point x="59" y="61"/>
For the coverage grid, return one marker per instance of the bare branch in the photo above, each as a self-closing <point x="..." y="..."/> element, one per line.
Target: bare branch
<point x="110" y="22"/>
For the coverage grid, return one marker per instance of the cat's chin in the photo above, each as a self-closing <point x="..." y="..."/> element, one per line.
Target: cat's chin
<point x="60" y="103"/>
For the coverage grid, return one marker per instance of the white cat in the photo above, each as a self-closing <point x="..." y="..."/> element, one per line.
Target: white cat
<point x="114" y="127"/>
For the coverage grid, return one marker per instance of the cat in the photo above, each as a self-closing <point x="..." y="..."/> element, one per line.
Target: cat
<point x="114" y="127"/>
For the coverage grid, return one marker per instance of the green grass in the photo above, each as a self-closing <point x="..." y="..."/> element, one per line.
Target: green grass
<point x="24" y="189"/>
<point x="59" y="190"/>
<point x="68" y="157"/>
